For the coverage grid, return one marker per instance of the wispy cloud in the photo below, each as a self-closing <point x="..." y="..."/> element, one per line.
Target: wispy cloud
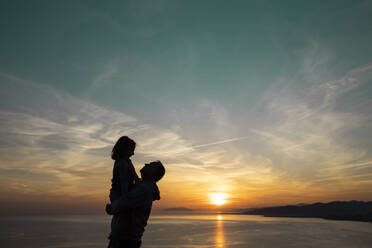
<point x="298" y="136"/>
<point x="59" y="138"/>
<point x="104" y="77"/>
<point x="293" y="137"/>
<point x="221" y="142"/>
<point x="64" y="143"/>
<point x="38" y="136"/>
<point x="307" y="129"/>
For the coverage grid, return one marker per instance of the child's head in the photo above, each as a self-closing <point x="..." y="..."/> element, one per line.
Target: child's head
<point x="124" y="148"/>
<point x="153" y="171"/>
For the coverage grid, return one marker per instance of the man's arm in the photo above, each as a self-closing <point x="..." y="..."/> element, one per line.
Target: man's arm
<point x="117" y="206"/>
<point x="137" y="197"/>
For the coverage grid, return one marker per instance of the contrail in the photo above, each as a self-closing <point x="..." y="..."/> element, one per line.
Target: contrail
<point x="188" y="149"/>
<point x="221" y="142"/>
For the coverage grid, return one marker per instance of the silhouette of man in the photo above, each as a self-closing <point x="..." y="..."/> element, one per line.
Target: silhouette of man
<point x="133" y="211"/>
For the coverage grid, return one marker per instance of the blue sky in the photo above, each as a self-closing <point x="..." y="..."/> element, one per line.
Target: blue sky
<point x="250" y="99"/>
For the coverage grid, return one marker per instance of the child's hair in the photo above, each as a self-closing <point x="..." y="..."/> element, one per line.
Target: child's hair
<point x="123" y="144"/>
<point x="161" y="170"/>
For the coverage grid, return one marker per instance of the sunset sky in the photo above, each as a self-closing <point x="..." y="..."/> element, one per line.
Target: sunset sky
<point x="246" y="103"/>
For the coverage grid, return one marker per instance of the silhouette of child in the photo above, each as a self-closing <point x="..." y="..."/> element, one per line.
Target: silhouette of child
<point x="124" y="176"/>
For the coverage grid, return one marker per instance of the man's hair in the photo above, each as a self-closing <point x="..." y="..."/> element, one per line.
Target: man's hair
<point x="123" y="144"/>
<point x="160" y="170"/>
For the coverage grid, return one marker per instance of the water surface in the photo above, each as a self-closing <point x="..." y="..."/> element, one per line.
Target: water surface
<point x="187" y="231"/>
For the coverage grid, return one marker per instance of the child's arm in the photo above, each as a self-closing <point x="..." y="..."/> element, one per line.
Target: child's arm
<point x="124" y="178"/>
<point x="122" y="168"/>
<point x="136" y="177"/>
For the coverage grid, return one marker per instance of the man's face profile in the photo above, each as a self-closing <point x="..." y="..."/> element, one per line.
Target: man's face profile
<point x="151" y="171"/>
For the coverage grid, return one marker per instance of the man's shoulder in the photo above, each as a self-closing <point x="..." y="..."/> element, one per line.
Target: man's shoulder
<point x="151" y="186"/>
<point x="144" y="187"/>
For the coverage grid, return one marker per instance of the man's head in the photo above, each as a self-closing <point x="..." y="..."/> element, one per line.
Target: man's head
<point x="153" y="171"/>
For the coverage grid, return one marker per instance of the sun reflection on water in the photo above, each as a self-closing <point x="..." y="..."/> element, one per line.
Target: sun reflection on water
<point x="220" y="236"/>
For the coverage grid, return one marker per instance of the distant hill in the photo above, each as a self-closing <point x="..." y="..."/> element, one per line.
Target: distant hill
<point x="338" y="210"/>
<point x="180" y="209"/>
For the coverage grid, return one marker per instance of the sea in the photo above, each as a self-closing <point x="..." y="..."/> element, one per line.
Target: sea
<point x="186" y="231"/>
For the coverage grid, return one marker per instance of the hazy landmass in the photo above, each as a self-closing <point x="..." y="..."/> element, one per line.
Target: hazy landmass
<point x="338" y="210"/>
<point x="179" y="209"/>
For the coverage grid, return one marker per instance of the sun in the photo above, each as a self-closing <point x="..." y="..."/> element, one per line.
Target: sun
<point x="218" y="199"/>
